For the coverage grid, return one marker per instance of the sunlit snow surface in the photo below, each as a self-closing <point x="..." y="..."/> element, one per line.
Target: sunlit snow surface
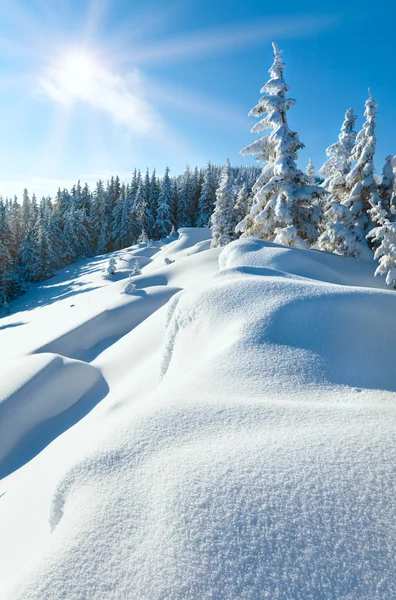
<point x="226" y="431"/>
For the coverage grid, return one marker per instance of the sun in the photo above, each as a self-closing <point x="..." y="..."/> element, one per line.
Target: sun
<point x="77" y="71"/>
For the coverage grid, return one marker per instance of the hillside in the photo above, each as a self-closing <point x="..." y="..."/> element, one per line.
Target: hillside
<point x="225" y="430"/>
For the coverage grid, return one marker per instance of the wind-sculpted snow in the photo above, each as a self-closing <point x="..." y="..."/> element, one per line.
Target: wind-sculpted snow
<point x="261" y="466"/>
<point x="95" y="334"/>
<point x="321" y="266"/>
<point x="322" y="333"/>
<point x="33" y="391"/>
<point x="190" y="241"/>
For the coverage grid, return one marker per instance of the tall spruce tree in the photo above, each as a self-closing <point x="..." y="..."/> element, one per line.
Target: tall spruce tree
<point x="285" y="206"/>
<point x="386" y="189"/>
<point x="185" y="205"/>
<point x="338" y="164"/>
<point x="163" y="223"/>
<point x="207" y="198"/>
<point x="310" y="172"/>
<point x="339" y="232"/>
<point x="223" y="224"/>
<point x="363" y="194"/>
<point x="241" y="204"/>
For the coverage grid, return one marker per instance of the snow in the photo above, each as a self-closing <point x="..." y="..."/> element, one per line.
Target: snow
<point x="239" y="441"/>
<point x="33" y="390"/>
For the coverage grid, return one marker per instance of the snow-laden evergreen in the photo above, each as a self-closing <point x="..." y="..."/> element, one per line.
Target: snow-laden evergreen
<point x="207" y="198"/>
<point x="283" y="196"/>
<point x="363" y="195"/>
<point x="163" y="222"/>
<point x="241" y="204"/>
<point x="136" y="268"/>
<point x="185" y="204"/>
<point x="385" y="237"/>
<point x="338" y="164"/>
<point x="130" y="286"/>
<point x="111" y="267"/>
<point x="310" y="172"/>
<point x="386" y="189"/>
<point x="143" y="238"/>
<point x="339" y="234"/>
<point x="223" y="224"/>
<point x="173" y="233"/>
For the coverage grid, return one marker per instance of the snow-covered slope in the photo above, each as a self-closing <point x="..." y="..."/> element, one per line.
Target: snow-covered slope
<point x="238" y="438"/>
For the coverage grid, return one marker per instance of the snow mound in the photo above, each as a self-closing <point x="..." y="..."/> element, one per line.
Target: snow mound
<point x="33" y="390"/>
<point x="264" y="327"/>
<point x="190" y="241"/>
<point x="311" y="264"/>
<point x="260" y="467"/>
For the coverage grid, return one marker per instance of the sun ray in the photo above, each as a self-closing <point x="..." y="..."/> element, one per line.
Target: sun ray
<point x="198" y="44"/>
<point x="95" y="14"/>
<point x="50" y="155"/>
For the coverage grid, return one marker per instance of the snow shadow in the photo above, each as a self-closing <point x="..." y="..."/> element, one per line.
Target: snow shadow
<point x="342" y="331"/>
<point x="86" y="341"/>
<point x="47" y="431"/>
<point x="10" y="325"/>
<point x="64" y="284"/>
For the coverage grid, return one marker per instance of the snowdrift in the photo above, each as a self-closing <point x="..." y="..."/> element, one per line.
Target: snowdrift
<point x="33" y="390"/>
<point x="91" y="337"/>
<point x="253" y="460"/>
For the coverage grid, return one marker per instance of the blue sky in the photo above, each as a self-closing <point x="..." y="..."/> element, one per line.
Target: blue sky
<point x="94" y="87"/>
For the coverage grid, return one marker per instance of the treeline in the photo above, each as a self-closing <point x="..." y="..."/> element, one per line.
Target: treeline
<point x="38" y="237"/>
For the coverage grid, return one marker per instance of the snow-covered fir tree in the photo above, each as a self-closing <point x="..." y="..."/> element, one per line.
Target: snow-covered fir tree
<point x="163" y="222"/>
<point x="153" y="204"/>
<point x="116" y="221"/>
<point x="223" y="224"/>
<point x="130" y="286"/>
<point x="207" y="198"/>
<point x="5" y="259"/>
<point x="173" y="232"/>
<point x="184" y="213"/>
<point x="285" y="206"/>
<point x="100" y="219"/>
<point x="111" y="267"/>
<point x="143" y="238"/>
<point x="136" y="268"/>
<point x="241" y="204"/>
<point x="386" y="189"/>
<point x="147" y="217"/>
<point x="310" y="172"/>
<point x="384" y="237"/>
<point x="339" y="234"/>
<point x="363" y="195"/>
<point x="338" y="164"/>
<point x="197" y="181"/>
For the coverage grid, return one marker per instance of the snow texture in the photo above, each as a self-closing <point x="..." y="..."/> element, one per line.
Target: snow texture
<point x="244" y="450"/>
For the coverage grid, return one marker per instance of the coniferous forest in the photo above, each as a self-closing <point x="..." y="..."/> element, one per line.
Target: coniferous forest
<point x="344" y="208"/>
<point x="39" y="236"/>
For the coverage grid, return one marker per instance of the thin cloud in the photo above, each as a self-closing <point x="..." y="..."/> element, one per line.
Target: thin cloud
<point x="121" y="98"/>
<point x="192" y="101"/>
<point x="199" y="44"/>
